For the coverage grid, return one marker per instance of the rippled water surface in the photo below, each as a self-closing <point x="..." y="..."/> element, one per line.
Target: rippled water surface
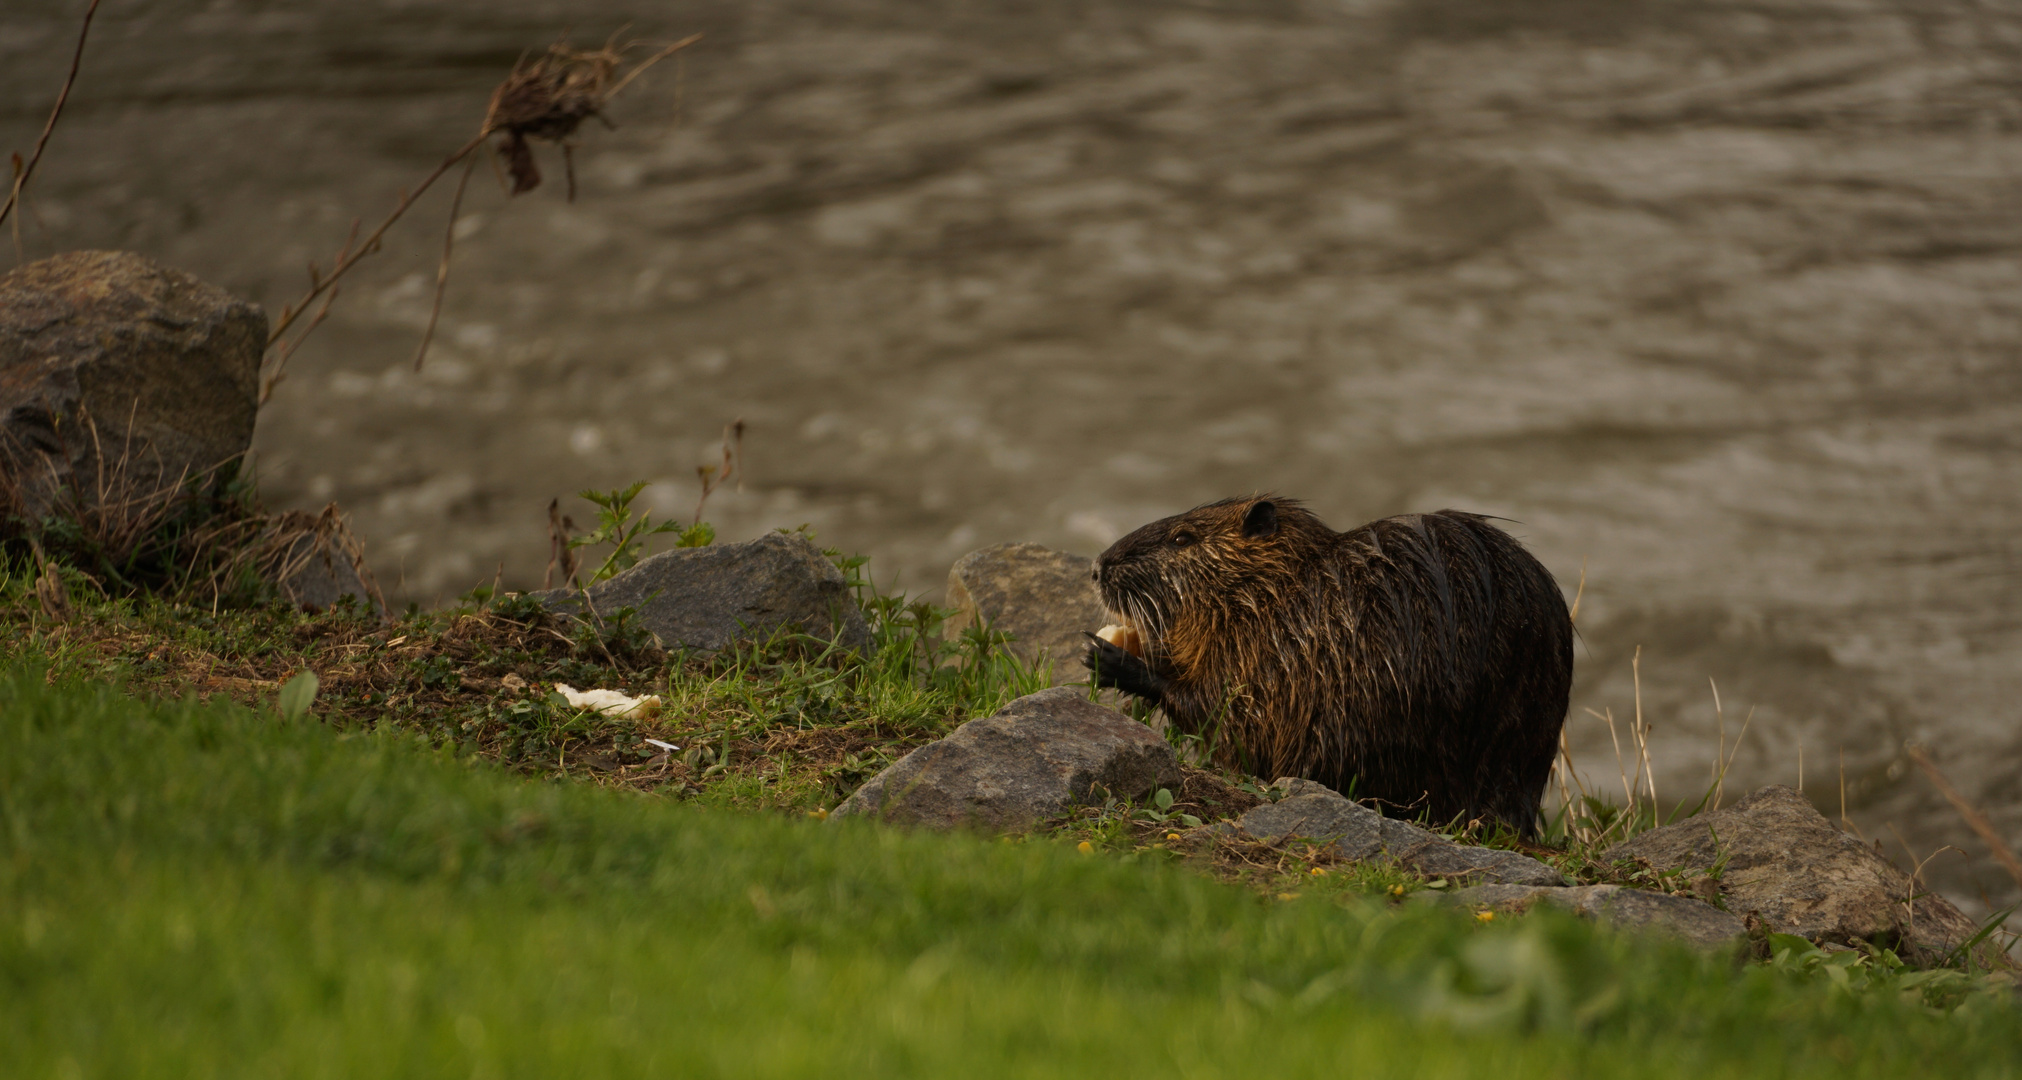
<point x="1717" y="300"/>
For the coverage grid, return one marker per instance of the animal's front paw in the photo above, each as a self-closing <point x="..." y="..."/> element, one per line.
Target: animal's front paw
<point x="1115" y="666"/>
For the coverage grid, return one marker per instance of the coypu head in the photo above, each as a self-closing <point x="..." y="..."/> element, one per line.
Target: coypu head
<point x="1182" y="578"/>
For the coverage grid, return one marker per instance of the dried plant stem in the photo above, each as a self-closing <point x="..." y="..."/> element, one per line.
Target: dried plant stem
<point x="350" y="256"/>
<point x="1842" y="785"/>
<point x="733" y="455"/>
<point x="1975" y="819"/>
<point x="1643" y="730"/>
<point x="650" y="61"/>
<point x="22" y="173"/>
<point x="544" y="100"/>
<point x="561" y="556"/>
<point x="441" y="270"/>
<point x="287" y="350"/>
<point x="1621" y="767"/>
<point x="1721" y="786"/>
<point x="1720" y="753"/>
<point x="1579" y="594"/>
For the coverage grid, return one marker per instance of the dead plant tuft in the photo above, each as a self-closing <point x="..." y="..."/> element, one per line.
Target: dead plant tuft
<point x="561" y="553"/>
<point x="549" y="97"/>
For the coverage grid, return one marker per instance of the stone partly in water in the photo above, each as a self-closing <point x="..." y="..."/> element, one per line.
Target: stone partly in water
<point x="709" y="597"/>
<point x="1779" y="858"/>
<point x="1035" y="759"/>
<point x="1044" y="598"/>
<point x="1355" y="832"/>
<point x="1694" y="921"/>
<point x="120" y="378"/>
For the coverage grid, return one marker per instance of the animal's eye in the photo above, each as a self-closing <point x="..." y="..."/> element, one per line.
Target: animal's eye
<point x="1182" y="539"/>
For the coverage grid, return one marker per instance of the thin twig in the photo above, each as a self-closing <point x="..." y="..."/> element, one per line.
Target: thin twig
<point x="351" y="255"/>
<point x="650" y="61"/>
<point x="1621" y="769"/>
<point x="42" y="141"/>
<point x="442" y="271"/>
<point x="1975" y="819"/>
<point x="280" y="366"/>
<point x="1745" y="722"/>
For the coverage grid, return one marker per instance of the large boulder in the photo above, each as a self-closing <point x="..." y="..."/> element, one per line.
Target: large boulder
<point x="709" y="597"/>
<point x="1035" y="759"/>
<point x="1352" y="831"/>
<point x="121" y="378"/>
<point x="1693" y="921"/>
<point x="1045" y="599"/>
<point x="1780" y="859"/>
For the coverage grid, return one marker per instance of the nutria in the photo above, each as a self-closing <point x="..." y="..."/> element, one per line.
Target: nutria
<point x="1423" y="661"/>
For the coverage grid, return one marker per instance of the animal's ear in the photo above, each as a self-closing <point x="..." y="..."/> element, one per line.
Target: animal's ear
<point x="1261" y="521"/>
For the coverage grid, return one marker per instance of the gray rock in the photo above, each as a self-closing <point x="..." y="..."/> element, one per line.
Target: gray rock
<point x="1043" y="598"/>
<point x="316" y="561"/>
<point x="1033" y="760"/>
<point x="1787" y="864"/>
<point x="1353" y="831"/>
<point x="120" y="378"/>
<point x="1356" y="832"/>
<point x="1299" y="785"/>
<point x="706" y="598"/>
<point x="1438" y="858"/>
<point x="1695" y="921"/>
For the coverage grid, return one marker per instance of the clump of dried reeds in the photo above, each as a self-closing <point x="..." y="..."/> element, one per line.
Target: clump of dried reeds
<point x="114" y="518"/>
<point x="550" y="96"/>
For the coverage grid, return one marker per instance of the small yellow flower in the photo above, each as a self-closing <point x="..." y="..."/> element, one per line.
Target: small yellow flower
<point x="1172" y="836"/>
<point x="1485" y="916"/>
<point x="818" y="815"/>
<point x="1085" y="848"/>
<point x="1397" y="890"/>
<point x="1318" y="871"/>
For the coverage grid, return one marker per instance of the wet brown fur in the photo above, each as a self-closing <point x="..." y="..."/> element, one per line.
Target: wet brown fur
<point x="1423" y="660"/>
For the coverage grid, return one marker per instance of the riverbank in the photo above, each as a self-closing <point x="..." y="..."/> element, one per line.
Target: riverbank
<point x="212" y="887"/>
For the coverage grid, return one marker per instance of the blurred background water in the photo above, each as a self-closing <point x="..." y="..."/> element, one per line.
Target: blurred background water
<point x="1717" y="301"/>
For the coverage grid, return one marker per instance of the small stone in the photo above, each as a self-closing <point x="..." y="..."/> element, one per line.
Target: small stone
<point x="709" y="597"/>
<point x="1786" y="863"/>
<point x="1044" y="598"/>
<point x="1440" y="858"/>
<point x="1034" y="759"/>
<point x="316" y="562"/>
<point x="1352" y="830"/>
<point x="1298" y="785"/>
<point x="1356" y="832"/>
<point x="1693" y="921"/>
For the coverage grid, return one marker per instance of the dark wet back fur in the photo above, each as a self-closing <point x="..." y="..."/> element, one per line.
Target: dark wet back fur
<point x="1422" y="660"/>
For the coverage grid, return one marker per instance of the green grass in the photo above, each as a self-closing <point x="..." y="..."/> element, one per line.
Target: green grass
<point x="192" y="889"/>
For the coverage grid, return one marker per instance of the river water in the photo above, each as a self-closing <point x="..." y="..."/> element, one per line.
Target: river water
<point x="1718" y="301"/>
